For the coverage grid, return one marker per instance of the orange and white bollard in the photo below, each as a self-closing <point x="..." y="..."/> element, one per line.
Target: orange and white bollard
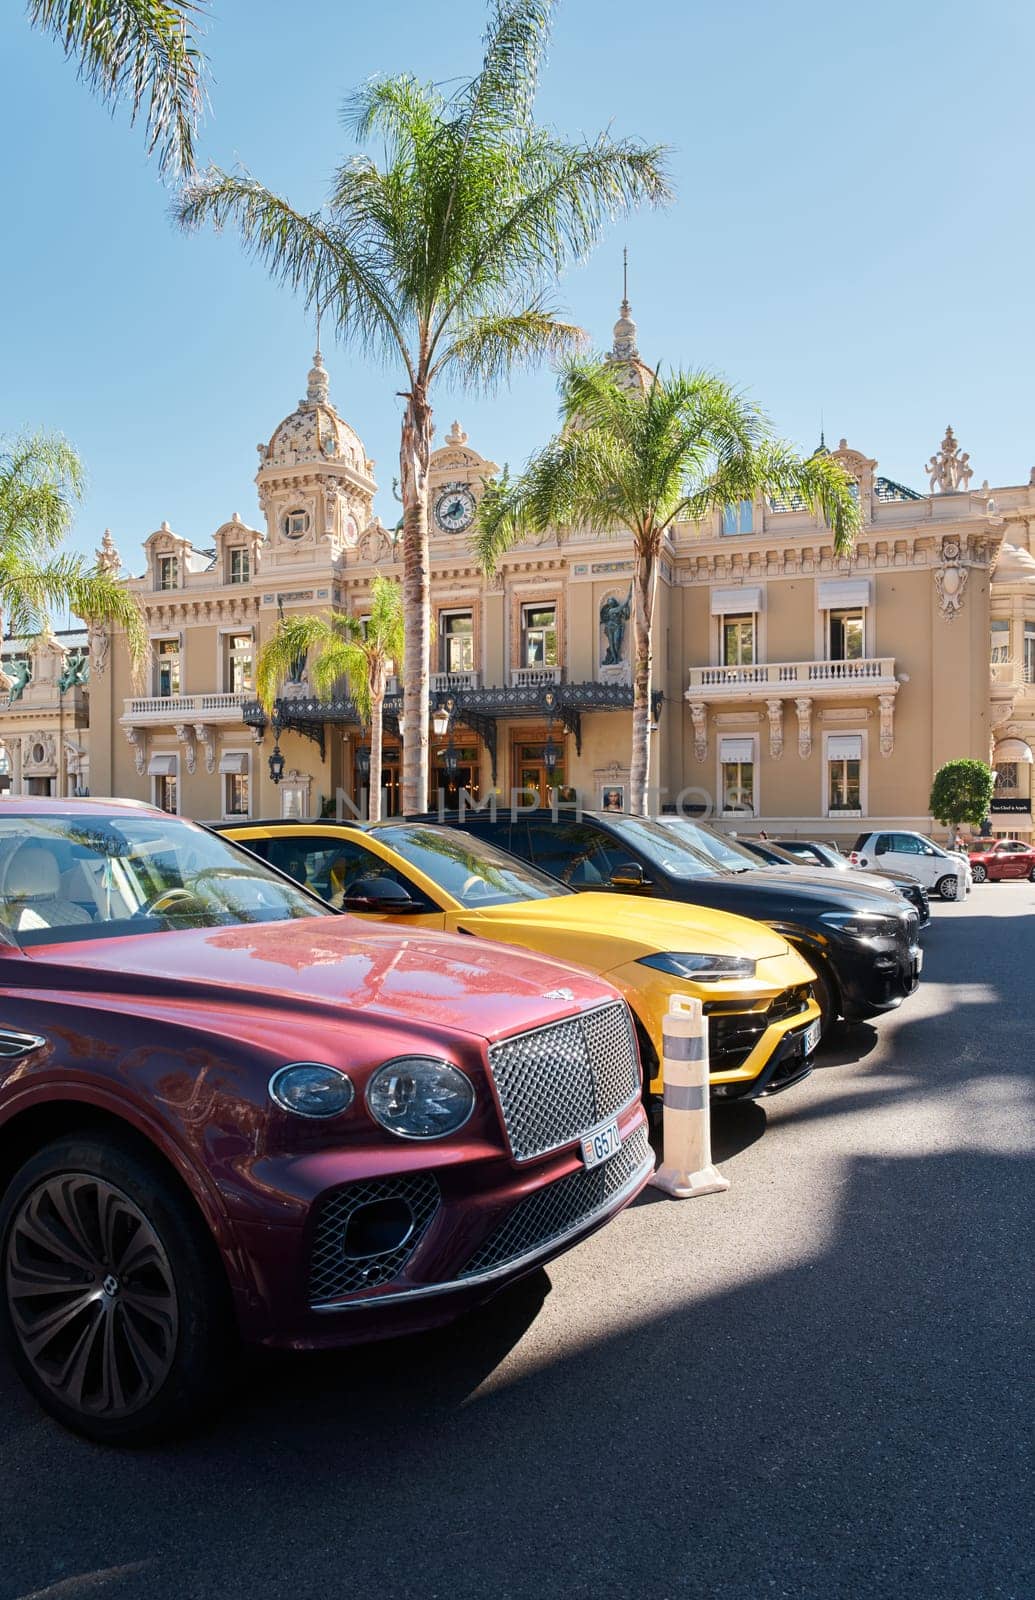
<point x="686" y="1165"/>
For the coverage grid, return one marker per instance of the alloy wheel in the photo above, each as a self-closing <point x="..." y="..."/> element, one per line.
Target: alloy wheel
<point x="91" y="1295"/>
<point x="948" y="888"/>
<point x="980" y="874"/>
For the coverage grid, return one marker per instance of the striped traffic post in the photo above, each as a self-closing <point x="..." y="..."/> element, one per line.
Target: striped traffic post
<point x="686" y="1165"/>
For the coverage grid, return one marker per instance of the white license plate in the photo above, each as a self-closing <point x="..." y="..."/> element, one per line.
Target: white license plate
<point x="811" y="1037"/>
<point x="919" y="962"/>
<point x="602" y="1145"/>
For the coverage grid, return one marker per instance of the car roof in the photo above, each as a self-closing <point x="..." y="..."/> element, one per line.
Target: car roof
<point x="95" y="806"/>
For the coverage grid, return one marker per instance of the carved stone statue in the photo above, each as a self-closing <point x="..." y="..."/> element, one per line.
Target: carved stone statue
<point x="614" y="615"/>
<point x="949" y="469"/>
<point x="100" y="645"/>
<point x="20" y="674"/>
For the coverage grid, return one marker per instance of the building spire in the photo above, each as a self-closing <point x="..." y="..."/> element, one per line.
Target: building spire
<point x="624" y="347"/>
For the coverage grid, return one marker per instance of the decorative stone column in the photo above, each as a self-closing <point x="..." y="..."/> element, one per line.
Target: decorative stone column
<point x="803" y="706"/>
<point x="887" y="723"/>
<point x="774" y="710"/>
<point x="138" y="740"/>
<point x="185" y="734"/>
<point x="206" y="735"/>
<point x="699" y="718"/>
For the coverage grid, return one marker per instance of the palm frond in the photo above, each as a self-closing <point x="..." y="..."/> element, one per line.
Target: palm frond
<point x="488" y="348"/>
<point x="138" y="52"/>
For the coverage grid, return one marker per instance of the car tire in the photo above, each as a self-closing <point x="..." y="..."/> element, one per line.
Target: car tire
<point x="143" y="1319"/>
<point x="827" y="998"/>
<point x="979" y="873"/>
<point x="948" y="887"/>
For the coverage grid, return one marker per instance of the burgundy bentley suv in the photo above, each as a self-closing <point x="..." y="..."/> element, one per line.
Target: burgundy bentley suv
<point x="227" y="1112"/>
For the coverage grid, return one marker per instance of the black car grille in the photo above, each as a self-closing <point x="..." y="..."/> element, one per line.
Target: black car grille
<point x="558" y="1082"/>
<point x="555" y="1210"/>
<point x="333" y="1272"/>
<point x="732" y="1035"/>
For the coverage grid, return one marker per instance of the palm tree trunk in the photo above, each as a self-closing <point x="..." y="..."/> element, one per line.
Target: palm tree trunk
<point x="414" y="460"/>
<point x="645" y="586"/>
<point x="377" y="701"/>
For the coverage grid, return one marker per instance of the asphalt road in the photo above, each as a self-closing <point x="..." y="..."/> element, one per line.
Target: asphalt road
<point x="818" y="1384"/>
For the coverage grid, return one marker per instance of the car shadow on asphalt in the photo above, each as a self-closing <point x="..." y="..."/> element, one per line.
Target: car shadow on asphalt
<point x="839" y="1421"/>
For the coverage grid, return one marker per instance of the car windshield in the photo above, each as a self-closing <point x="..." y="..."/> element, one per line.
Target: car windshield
<point x="713" y="846"/>
<point x="662" y="848"/>
<point x="95" y="877"/>
<point x="474" y="872"/>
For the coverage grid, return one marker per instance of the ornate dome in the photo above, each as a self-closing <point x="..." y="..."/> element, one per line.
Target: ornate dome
<point x="1014" y="565"/>
<point x="315" y="432"/>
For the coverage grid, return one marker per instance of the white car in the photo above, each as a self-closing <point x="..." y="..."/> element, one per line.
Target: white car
<point x="947" y="873"/>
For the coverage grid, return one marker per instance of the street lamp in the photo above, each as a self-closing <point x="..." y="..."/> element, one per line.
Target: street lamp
<point x="276" y="762"/>
<point x="363" y="763"/>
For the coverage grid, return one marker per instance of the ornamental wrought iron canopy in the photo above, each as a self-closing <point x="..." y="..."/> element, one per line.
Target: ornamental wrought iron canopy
<point x="477" y="709"/>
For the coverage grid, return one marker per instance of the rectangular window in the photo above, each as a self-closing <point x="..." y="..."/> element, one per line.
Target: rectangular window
<point x="167" y="668"/>
<point x="165" y="794"/>
<point x="1006" y="777"/>
<point x="239" y="675"/>
<point x="168" y="572"/>
<point x="1029" y="652"/>
<point x="737" y="775"/>
<point x="1001" y="640"/>
<point x="240" y="565"/>
<point x="234" y="770"/>
<point x="738" y="517"/>
<point x="456" y="641"/>
<point x="539" y="636"/>
<point x="738" y="641"/>
<point x="847" y="635"/>
<point x="844" y="773"/>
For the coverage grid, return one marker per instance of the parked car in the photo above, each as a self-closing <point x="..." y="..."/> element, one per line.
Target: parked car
<point x="947" y="873"/>
<point x="437" y="877"/>
<point x="227" y="1111"/>
<point x="796" y="855"/>
<point x="860" y="942"/>
<point x="1002" y="858"/>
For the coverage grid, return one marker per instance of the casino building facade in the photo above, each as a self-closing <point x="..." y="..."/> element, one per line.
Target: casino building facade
<point x="794" y="689"/>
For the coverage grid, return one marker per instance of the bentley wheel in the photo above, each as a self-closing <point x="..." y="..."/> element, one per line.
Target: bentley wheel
<point x="980" y="873"/>
<point x="948" y="887"/>
<point x="109" y="1302"/>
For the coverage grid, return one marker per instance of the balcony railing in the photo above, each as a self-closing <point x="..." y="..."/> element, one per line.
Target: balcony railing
<point x="534" y="677"/>
<point x="793" y="677"/>
<point x="177" y="707"/>
<point x="453" y="682"/>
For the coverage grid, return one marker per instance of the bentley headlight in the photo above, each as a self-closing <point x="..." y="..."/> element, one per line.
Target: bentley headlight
<point x="703" y="969"/>
<point x="863" y="924"/>
<point x="418" y="1097"/>
<point x="310" y="1089"/>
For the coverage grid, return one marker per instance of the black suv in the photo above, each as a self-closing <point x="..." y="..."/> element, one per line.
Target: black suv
<point x="860" y="942"/>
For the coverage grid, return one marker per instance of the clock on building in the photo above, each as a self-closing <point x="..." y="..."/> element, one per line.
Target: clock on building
<point x="454" y="508"/>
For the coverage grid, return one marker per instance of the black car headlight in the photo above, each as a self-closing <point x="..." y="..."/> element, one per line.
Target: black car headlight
<point x="702" y="969"/>
<point x="418" y="1097"/>
<point x="863" y="924"/>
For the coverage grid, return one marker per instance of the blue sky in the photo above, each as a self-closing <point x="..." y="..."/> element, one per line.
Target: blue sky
<point x="852" y="236"/>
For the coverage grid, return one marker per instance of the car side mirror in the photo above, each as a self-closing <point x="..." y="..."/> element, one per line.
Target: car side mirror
<point x="383" y="895"/>
<point x="629" y="875"/>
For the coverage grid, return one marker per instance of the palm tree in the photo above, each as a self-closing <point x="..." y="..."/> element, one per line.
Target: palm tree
<point x="137" y="50"/>
<point x="41" y="483"/>
<point x="441" y="259"/>
<point x="637" y="455"/>
<point x="340" y="646"/>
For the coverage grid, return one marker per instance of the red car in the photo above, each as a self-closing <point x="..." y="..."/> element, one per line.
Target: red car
<point x="227" y="1111"/>
<point x="1002" y="858"/>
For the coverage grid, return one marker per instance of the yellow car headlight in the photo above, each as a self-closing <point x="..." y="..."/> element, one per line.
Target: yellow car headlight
<point x="702" y="969"/>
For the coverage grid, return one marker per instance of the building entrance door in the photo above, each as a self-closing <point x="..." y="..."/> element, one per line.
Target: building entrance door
<point x="467" y="776"/>
<point x="391" y="779"/>
<point x="531" y="777"/>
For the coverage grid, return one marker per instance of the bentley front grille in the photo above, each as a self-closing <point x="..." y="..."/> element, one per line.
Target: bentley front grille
<point x="558" y="1082"/>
